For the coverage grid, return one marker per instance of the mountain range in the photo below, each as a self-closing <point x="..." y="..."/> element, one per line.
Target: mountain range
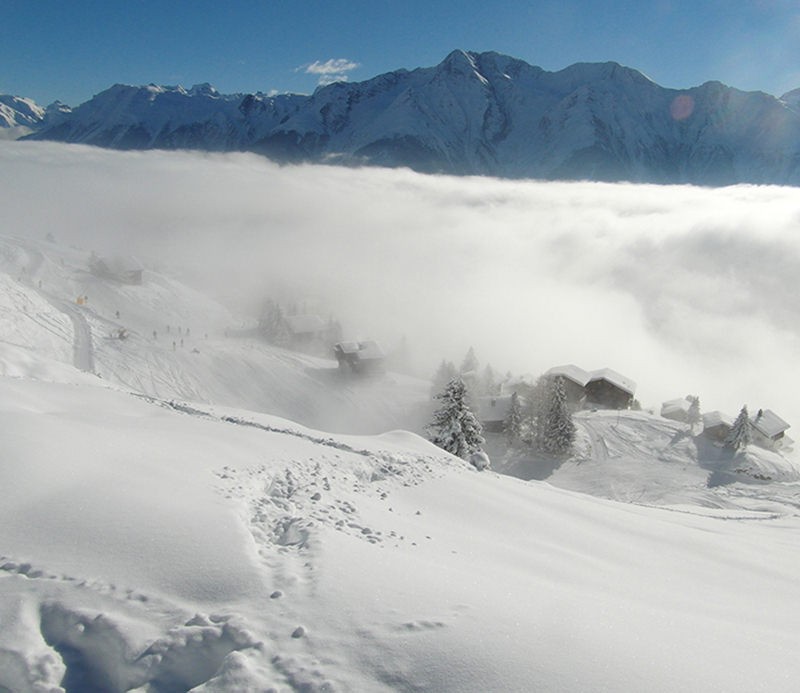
<point x="472" y="114"/>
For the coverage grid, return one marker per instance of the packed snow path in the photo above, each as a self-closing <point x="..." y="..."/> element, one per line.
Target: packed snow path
<point x="83" y="351"/>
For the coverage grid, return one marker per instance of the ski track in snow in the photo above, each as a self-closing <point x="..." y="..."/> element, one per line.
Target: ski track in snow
<point x="83" y="351"/>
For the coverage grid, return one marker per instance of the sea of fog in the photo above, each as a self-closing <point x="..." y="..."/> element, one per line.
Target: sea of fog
<point x="683" y="289"/>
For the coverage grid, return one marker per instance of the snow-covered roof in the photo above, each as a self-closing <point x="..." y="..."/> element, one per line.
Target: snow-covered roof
<point x="368" y="349"/>
<point x="675" y="405"/>
<point x="347" y="347"/>
<point x="118" y="263"/>
<point x="715" y="418"/>
<point x="493" y="408"/>
<point x="570" y="372"/>
<point x="769" y="423"/>
<point x="581" y="377"/>
<point x="305" y="324"/>
<point x="614" y="378"/>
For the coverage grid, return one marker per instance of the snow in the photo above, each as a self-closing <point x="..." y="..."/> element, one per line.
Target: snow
<point x="769" y="423"/>
<point x="179" y="518"/>
<point x="611" y="376"/>
<point x="476" y="113"/>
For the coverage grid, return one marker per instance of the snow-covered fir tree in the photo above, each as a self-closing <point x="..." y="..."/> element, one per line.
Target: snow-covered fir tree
<point x="534" y="412"/>
<point x="693" y="415"/>
<point x="558" y="431"/>
<point x="454" y="427"/>
<point x="739" y="436"/>
<point x="470" y="363"/>
<point x="273" y="325"/>
<point x="444" y="374"/>
<point x="487" y="385"/>
<point x="512" y="426"/>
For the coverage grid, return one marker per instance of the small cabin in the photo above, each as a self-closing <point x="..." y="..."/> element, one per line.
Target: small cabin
<point x="305" y="329"/>
<point x="609" y="390"/>
<point x="768" y="429"/>
<point x="125" y="270"/>
<point x="362" y="358"/>
<point x="676" y="409"/>
<point x="717" y="426"/>
<point x="574" y="379"/>
<point x="603" y="388"/>
<point x="493" y="412"/>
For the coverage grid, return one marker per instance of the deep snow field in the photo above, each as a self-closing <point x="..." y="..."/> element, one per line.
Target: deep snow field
<point x="158" y="533"/>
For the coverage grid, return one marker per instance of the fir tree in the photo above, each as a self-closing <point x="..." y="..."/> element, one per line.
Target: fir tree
<point x="470" y="363"/>
<point x="693" y="415"/>
<point x="273" y="325"/>
<point x="512" y="426"/>
<point x="444" y="374"/>
<point x="487" y="386"/>
<point x="534" y="413"/>
<point x="558" y="431"/>
<point x="454" y="427"/>
<point x="739" y="436"/>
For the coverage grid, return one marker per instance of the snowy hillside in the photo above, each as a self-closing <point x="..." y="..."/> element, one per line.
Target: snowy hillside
<point x="212" y="359"/>
<point x="156" y="547"/>
<point x="474" y="113"/>
<point x="185" y="507"/>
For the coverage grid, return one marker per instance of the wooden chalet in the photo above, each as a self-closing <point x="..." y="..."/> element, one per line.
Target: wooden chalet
<point x="603" y="388"/>
<point x="676" y="409"/>
<point x="362" y="358"/>
<point x="126" y="270"/>
<point x="717" y="426"/>
<point x="305" y="329"/>
<point x="769" y="430"/>
<point x="493" y="412"/>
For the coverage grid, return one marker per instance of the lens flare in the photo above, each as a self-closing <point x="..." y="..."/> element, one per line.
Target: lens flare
<point x="681" y="107"/>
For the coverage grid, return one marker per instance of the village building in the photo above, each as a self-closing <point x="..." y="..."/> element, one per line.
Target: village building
<point x="603" y="388"/>
<point x="717" y="426"/>
<point x="575" y="380"/>
<point x="610" y="390"/>
<point x="362" y="358"/>
<point x="126" y="270"/>
<point x="768" y="430"/>
<point x="676" y="409"/>
<point x="305" y="329"/>
<point x="493" y="412"/>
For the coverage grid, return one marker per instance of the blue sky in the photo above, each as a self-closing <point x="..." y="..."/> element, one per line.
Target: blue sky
<point x="70" y="50"/>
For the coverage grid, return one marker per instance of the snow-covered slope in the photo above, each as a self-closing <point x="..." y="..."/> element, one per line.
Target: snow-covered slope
<point x="148" y="544"/>
<point x="166" y="527"/>
<point x="211" y="359"/>
<point x="474" y="113"/>
<point x="641" y="458"/>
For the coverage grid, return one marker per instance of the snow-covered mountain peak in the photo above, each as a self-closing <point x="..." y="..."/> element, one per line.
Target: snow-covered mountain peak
<point x="473" y="113"/>
<point x="792" y="99"/>
<point x="203" y="89"/>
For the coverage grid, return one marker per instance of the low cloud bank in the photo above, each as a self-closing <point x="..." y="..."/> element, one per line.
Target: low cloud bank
<point x="684" y="289"/>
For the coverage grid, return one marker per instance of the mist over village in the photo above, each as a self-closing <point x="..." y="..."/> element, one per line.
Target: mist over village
<point x="391" y="365"/>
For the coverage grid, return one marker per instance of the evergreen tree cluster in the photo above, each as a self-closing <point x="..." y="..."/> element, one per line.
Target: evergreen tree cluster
<point x="739" y="436"/>
<point x="538" y="416"/>
<point x="454" y="427"/>
<point x="273" y="325"/>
